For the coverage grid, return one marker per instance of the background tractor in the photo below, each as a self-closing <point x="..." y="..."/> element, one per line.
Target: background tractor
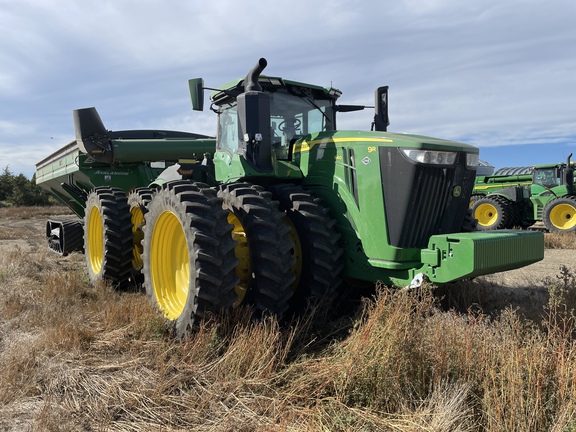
<point x="546" y="194"/>
<point x="279" y="208"/>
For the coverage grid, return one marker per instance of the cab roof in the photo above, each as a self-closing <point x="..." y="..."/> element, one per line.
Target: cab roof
<point x="268" y="83"/>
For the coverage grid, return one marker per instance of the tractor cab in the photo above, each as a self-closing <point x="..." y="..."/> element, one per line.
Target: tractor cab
<point x="551" y="176"/>
<point x="293" y="111"/>
<point x="261" y="118"/>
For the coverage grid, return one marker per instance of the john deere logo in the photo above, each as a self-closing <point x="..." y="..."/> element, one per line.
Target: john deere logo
<point x="457" y="191"/>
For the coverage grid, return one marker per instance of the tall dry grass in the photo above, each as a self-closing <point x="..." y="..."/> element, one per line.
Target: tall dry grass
<point x="77" y="357"/>
<point x="81" y="358"/>
<point x="560" y="240"/>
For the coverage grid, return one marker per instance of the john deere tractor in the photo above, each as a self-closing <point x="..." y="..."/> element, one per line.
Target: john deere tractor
<point x="282" y="207"/>
<point x="546" y="195"/>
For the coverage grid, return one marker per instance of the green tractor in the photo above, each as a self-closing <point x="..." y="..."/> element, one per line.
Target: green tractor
<point x="284" y="206"/>
<point x="546" y="195"/>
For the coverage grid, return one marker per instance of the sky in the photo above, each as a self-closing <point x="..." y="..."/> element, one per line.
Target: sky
<point x="500" y="75"/>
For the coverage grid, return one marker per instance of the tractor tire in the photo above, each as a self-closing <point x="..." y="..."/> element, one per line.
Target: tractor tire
<point x="475" y="198"/>
<point x="560" y="214"/>
<point x="138" y="201"/>
<point x="264" y="247"/>
<point x="317" y="255"/>
<point x="188" y="255"/>
<point x="470" y="223"/>
<point x="108" y="236"/>
<point x="492" y="213"/>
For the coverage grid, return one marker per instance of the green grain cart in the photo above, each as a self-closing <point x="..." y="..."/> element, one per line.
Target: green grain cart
<point x="280" y="208"/>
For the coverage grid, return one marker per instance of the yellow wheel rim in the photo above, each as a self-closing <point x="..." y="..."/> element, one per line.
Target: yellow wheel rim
<point x="563" y="216"/>
<point x="169" y="265"/>
<point x="95" y="241"/>
<point x="486" y="214"/>
<point x="137" y="218"/>
<point x="296" y="254"/>
<point x="242" y="252"/>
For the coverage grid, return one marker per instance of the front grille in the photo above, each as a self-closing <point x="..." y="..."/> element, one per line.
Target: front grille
<point x="419" y="199"/>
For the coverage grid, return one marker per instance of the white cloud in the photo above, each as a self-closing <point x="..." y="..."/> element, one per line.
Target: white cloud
<point x="485" y="71"/>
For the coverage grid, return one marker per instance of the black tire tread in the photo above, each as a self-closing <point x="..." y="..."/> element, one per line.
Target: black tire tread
<point x="117" y="261"/>
<point x="475" y="197"/>
<point x="139" y="197"/>
<point x="271" y="261"/>
<point x="211" y="248"/>
<point x="71" y="237"/>
<point x="322" y="257"/>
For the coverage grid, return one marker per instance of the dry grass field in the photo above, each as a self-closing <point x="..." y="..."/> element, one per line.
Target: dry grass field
<point x="494" y="354"/>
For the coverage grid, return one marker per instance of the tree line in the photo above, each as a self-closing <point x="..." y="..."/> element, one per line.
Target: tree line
<point x="18" y="190"/>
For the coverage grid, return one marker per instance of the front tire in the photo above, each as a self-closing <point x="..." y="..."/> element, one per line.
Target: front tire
<point x="108" y="236"/>
<point x="188" y="255"/>
<point x="560" y="214"/>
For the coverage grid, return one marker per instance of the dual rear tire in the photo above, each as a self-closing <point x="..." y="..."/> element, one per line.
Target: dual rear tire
<point x="318" y="257"/>
<point x="188" y="254"/>
<point x="494" y="212"/>
<point x="202" y="250"/>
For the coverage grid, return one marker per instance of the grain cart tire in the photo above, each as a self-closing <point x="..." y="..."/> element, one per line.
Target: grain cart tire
<point x="108" y="236"/>
<point x="188" y="256"/>
<point x="492" y="213"/>
<point x="318" y="257"/>
<point x="560" y="214"/>
<point x="264" y="247"/>
<point x="138" y="201"/>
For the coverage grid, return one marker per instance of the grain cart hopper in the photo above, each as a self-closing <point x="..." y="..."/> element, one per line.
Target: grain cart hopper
<point x="70" y="173"/>
<point x="290" y="206"/>
<point x="484" y="185"/>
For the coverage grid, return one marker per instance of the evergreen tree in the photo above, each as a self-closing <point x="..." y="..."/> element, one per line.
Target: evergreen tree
<point x="19" y="191"/>
<point x="5" y="183"/>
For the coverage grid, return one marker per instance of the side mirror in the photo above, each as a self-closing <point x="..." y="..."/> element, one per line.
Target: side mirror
<point x="197" y="93"/>
<point x="381" y="120"/>
<point x="569" y="173"/>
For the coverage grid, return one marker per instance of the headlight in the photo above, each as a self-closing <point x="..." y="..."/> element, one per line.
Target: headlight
<point x="430" y="157"/>
<point x="472" y="160"/>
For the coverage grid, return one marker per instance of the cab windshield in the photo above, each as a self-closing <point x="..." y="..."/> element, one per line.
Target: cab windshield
<point x="292" y="116"/>
<point x="547" y="177"/>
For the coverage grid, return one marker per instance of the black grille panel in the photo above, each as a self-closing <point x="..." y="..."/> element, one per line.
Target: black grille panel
<point x="419" y="199"/>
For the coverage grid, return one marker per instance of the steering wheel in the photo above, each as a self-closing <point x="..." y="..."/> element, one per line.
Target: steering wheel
<point x="297" y="124"/>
